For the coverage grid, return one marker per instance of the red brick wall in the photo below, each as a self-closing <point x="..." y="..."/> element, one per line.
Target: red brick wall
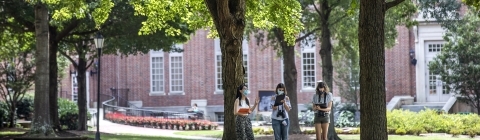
<point x="133" y="72"/>
<point x="399" y="72"/>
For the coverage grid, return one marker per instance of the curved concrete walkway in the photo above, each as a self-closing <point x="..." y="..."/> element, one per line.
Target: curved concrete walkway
<point x="114" y="128"/>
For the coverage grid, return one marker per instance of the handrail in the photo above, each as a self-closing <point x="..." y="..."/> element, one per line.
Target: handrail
<point x="141" y="112"/>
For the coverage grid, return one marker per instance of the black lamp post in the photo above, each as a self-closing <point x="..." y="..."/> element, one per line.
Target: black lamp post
<point x="98" y="44"/>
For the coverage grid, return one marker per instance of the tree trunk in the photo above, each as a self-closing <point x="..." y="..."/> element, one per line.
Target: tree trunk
<point x="327" y="64"/>
<point x="12" y="114"/>
<point x="229" y="20"/>
<point x="41" y="125"/>
<point x="371" y="37"/>
<point x="82" y="93"/>
<point x="53" y="93"/>
<point x="290" y="78"/>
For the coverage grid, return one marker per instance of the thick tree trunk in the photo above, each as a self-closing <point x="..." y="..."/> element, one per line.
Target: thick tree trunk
<point x="53" y="93"/>
<point x="290" y="78"/>
<point x="41" y="125"/>
<point x="229" y="20"/>
<point x="371" y="37"/>
<point x="327" y="63"/>
<point x="82" y="94"/>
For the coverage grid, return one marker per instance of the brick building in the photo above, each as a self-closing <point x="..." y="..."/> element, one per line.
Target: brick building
<point x="174" y="81"/>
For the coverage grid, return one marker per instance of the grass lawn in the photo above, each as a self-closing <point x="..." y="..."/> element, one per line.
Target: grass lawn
<point x="218" y="134"/>
<point x="203" y="133"/>
<point x="397" y="137"/>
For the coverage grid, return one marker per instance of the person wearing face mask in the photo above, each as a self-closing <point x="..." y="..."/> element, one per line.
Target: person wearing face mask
<point x="322" y="104"/>
<point x="243" y="125"/>
<point x="281" y="106"/>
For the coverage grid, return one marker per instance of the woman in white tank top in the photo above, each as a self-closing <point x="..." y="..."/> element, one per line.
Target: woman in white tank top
<point x="242" y="109"/>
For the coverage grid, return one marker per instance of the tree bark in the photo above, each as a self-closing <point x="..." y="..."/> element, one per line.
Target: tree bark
<point x="41" y="125"/>
<point x="82" y="93"/>
<point x="53" y="93"/>
<point x="290" y="78"/>
<point x="229" y="20"/>
<point x="327" y="63"/>
<point x="12" y="114"/>
<point x="371" y="37"/>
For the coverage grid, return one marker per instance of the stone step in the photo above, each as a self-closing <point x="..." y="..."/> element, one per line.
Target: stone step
<point x="418" y="108"/>
<point x="430" y="103"/>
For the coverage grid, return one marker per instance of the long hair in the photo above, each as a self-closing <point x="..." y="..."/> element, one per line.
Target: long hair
<point x="281" y="85"/>
<point x="239" y="95"/>
<point x="322" y="85"/>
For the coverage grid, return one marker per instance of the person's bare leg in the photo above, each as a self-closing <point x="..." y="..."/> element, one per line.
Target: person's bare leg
<point x="324" y="130"/>
<point x="318" y="131"/>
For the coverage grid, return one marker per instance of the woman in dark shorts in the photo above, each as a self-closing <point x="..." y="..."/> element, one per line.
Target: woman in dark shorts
<point x="322" y="103"/>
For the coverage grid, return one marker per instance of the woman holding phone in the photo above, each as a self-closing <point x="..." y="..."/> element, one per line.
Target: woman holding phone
<point x="242" y="108"/>
<point x="322" y="104"/>
<point x="281" y="106"/>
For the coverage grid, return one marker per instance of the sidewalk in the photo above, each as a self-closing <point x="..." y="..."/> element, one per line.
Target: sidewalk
<point x="113" y="128"/>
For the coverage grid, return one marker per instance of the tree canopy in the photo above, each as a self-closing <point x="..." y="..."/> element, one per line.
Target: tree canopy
<point x="458" y="63"/>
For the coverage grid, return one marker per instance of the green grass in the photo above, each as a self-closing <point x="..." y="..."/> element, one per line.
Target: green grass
<point x="397" y="137"/>
<point x="132" y="137"/>
<point x="203" y="133"/>
<point x="11" y="133"/>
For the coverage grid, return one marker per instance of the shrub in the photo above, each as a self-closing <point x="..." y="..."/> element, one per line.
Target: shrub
<point x="391" y="130"/>
<point x="3" y="113"/>
<point x="25" y="107"/>
<point x="416" y="130"/>
<point x="338" y="131"/>
<point x="355" y="131"/>
<point x="68" y="114"/>
<point x="257" y="130"/>
<point x="471" y="132"/>
<point x="429" y="121"/>
<point x="268" y="131"/>
<point x="310" y="131"/>
<point x="455" y="132"/>
<point x="400" y="131"/>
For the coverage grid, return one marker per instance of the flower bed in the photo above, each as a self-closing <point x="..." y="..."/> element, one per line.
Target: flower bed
<point x="161" y="123"/>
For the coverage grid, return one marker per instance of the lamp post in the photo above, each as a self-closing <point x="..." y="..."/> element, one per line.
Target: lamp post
<point x="98" y="44"/>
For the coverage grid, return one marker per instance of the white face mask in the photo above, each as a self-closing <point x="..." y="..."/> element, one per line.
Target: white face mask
<point x="246" y="92"/>
<point x="280" y="92"/>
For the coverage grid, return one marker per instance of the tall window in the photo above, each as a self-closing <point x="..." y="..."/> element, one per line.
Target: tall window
<point x="157" y="73"/>
<point x="176" y="72"/>
<point x="245" y="66"/>
<point x="218" y="64"/>
<point x="308" y="70"/>
<point x="218" y="78"/>
<point x="74" y="87"/>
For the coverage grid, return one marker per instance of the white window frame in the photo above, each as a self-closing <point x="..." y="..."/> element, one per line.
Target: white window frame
<point x="246" y="58"/>
<point x="309" y="48"/>
<point x="218" y="52"/>
<point x="152" y="55"/>
<point x="74" y="97"/>
<point x="171" y="55"/>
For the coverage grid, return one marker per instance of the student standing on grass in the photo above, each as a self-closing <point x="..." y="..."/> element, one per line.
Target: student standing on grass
<point x="243" y="125"/>
<point x="280" y="121"/>
<point x="322" y="104"/>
